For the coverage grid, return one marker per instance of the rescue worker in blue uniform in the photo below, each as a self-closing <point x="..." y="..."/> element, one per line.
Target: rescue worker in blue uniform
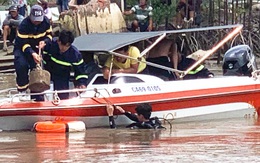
<point x="35" y="30"/>
<point x="60" y="57"/>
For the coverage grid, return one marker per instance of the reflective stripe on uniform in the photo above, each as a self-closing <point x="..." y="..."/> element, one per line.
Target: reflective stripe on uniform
<point x="25" y="46"/>
<point x="31" y="35"/>
<point x="81" y="76"/>
<point x="66" y="63"/>
<point x="49" y="36"/>
<point x="60" y="62"/>
<point x="197" y="70"/>
<point x="45" y="53"/>
<point x="23" y="87"/>
<point x="80" y="62"/>
<point x="49" y="30"/>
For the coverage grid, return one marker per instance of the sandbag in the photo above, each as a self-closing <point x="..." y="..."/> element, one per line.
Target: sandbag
<point x="39" y="80"/>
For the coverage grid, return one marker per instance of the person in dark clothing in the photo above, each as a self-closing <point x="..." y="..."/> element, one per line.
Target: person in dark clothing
<point x="185" y="11"/>
<point x="198" y="15"/>
<point x="63" y="5"/>
<point x="91" y="69"/>
<point x="190" y="14"/>
<point x="199" y="72"/>
<point x="34" y="31"/>
<point x="185" y="60"/>
<point x="141" y="119"/>
<point x="60" y="56"/>
<point x="22" y="6"/>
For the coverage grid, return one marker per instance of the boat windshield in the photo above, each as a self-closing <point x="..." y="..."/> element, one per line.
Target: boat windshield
<point x="118" y="80"/>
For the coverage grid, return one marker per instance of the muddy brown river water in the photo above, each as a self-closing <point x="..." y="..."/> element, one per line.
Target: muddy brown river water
<point x="227" y="140"/>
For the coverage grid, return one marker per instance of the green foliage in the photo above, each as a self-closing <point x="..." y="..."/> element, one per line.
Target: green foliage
<point x="131" y="2"/>
<point x="30" y="2"/>
<point x="161" y="11"/>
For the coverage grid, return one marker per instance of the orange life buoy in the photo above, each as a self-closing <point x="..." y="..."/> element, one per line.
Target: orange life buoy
<point x="59" y="126"/>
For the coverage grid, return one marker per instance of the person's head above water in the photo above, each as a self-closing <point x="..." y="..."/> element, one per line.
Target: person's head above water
<point x="143" y="111"/>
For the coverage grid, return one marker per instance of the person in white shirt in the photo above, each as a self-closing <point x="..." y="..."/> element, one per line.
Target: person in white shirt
<point x="46" y="9"/>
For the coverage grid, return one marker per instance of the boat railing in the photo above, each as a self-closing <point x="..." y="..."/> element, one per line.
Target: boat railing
<point x="8" y="92"/>
<point x="52" y="95"/>
<point x="256" y="74"/>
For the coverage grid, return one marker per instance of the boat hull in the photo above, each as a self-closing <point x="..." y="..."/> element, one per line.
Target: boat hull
<point x="214" y="112"/>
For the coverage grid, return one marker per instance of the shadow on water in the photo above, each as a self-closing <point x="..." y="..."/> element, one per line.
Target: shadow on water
<point x="228" y="140"/>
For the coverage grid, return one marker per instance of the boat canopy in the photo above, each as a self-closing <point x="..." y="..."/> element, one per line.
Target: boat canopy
<point x="111" y="41"/>
<point x="107" y="42"/>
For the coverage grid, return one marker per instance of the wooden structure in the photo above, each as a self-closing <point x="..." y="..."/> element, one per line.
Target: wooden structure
<point x="96" y="16"/>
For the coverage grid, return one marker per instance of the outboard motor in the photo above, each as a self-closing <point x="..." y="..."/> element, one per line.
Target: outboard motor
<point x="239" y="61"/>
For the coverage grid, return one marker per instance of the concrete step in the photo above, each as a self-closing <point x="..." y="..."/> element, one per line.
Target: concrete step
<point x="6" y="55"/>
<point x="7" y="60"/>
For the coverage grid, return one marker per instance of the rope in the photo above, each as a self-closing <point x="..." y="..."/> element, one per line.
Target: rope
<point x="148" y="63"/>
